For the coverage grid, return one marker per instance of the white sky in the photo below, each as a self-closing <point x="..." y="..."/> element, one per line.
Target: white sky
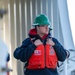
<point x="71" y="9"/>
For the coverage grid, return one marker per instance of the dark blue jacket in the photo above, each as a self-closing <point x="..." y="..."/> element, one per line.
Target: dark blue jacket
<point x="27" y="48"/>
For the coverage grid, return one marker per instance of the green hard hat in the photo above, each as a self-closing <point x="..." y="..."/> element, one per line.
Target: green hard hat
<point x="42" y="20"/>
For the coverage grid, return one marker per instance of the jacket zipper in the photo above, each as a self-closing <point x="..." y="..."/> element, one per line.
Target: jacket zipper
<point x="45" y="55"/>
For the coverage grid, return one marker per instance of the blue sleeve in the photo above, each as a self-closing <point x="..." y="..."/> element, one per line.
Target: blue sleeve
<point x="24" y="52"/>
<point x="60" y="51"/>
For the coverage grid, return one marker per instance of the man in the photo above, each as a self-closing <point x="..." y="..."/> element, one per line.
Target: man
<point x="41" y="51"/>
<point x="4" y="55"/>
<point x="2" y="12"/>
<point x="4" y="58"/>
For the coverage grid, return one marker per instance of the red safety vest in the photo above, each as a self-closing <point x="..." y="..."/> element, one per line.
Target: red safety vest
<point x="43" y="56"/>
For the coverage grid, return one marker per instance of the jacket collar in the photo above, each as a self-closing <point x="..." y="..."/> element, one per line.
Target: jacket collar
<point x="33" y="34"/>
